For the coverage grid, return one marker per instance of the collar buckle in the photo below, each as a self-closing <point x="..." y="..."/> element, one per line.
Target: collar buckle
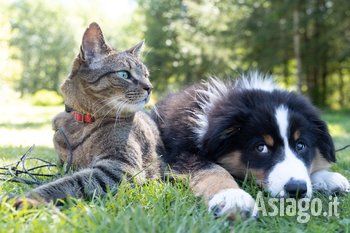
<point x="82" y="118"/>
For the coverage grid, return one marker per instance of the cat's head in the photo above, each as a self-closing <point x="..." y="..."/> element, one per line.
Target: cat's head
<point x="104" y="81"/>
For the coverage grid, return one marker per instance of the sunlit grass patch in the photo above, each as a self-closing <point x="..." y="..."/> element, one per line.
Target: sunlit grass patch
<point x="337" y="130"/>
<point x="153" y="207"/>
<point x="339" y="126"/>
<point x="26" y="137"/>
<point x="22" y="124"/>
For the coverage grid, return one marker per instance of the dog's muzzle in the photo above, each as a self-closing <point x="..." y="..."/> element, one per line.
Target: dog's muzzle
<point x="295" y="188"/>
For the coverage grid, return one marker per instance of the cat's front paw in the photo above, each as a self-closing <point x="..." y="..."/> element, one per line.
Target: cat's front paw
<point x="329" y="182"/>
<point x="233" y="202"/>
<point x="28" y="203"/>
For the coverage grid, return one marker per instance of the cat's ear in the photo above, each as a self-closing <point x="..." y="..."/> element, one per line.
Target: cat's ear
<point x="93" y="45"/>
<point x="137" y="49"/>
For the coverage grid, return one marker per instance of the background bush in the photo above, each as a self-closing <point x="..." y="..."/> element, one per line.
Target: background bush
<point x="46" y="98"/>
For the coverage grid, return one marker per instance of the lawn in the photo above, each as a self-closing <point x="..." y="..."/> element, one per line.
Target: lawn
<point x="153" y="207"/>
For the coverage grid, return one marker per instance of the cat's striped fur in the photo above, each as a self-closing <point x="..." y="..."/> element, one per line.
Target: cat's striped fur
<point x="123" y="141"/>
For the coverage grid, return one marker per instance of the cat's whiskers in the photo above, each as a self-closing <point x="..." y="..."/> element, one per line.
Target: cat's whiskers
<point x="119" y="109"/>
<point x="154" y="69"/>
<point x="101" y="101"/>
<point x="155" y="110"/>
<point x="106" y="103"/>
<point x="146" y="54"/>
<point x="106" y="115"/>
<point x="103" y="106"/>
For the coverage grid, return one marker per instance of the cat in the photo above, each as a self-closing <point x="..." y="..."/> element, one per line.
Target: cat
<point x="110" y="136"/>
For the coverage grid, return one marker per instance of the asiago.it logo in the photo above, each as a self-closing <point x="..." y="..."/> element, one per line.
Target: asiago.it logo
<point x="303" y="208"/>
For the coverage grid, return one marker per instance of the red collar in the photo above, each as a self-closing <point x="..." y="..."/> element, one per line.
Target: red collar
<point x="83" y="118"/>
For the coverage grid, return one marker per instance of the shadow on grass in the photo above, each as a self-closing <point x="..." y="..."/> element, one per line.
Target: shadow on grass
<point x="25" y="125"/>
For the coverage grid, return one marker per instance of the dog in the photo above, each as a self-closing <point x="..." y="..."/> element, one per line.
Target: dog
<point x="217" y="131"/>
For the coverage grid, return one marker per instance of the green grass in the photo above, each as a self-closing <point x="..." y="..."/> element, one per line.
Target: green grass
<point x="153" y="207"/>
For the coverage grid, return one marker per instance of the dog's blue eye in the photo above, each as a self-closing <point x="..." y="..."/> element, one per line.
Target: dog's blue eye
<point x="123" y="74"/>
<point x="262" y="148"/>
<point x="300" y="146"/>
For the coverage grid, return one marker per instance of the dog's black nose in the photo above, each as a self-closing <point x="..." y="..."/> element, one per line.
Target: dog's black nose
<point x="296" y="188"/>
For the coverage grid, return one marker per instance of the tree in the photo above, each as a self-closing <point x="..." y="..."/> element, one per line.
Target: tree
<point x="319" y="29"/>
<point x="188" y="40"/>
<point x="296" y="44"/>
<point x="305" y="44"/>
<point x="161" y="39"/>
<point x="45" y="44"/>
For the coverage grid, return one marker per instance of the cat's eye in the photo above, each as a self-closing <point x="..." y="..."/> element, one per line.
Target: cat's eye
<point x="262" y="148"/>
<point x="123" y="74"/>
<point x="300" y="146"/>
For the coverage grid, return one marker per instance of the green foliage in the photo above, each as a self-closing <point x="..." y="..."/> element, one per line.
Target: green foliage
<point x="46" y="98"/>
<point x="268" y="33"/>
<point x="45" y="43"/>
<point x="192" y="39"/>
<point x="161" y="39"/>
<point x="187" y="41"/>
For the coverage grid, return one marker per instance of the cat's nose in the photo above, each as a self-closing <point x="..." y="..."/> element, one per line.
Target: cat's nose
<point x="148" y="88"/>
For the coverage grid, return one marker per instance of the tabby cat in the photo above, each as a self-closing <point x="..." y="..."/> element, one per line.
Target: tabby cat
<point x="109" y="136"/>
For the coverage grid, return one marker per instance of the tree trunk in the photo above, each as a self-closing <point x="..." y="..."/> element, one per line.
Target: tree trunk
<point x="324" y="75"/>
<point x="341" y="87"/>
<point x="286" y="72"/>
<point x="296" y="40"/>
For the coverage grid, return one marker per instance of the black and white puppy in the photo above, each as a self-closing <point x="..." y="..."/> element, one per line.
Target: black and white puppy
<point x="215" y="131"/>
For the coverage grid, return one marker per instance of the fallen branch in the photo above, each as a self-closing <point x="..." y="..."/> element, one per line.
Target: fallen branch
<point x="19" y="173"/>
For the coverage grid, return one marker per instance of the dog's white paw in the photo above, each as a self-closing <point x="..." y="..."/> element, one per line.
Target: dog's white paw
<point x="231" y="202"/>
<point x="329" y="182"/>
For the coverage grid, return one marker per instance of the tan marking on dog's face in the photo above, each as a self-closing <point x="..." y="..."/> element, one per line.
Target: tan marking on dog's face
<point x="269" y="140"/>
<point x="319" y="163"/>
<point x="232" y="163"/>
<point x="208" y="182"/>
<point x="259" y="175"/>
<point x="296" y="135"/>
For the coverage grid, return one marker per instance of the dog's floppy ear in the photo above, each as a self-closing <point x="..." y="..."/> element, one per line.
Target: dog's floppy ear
<point x="324" y="141"/>
<point x="218" y="138"/>
<point x="215" y="142"/>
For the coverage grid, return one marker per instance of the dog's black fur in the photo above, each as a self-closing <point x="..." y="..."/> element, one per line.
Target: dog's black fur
<point x="236" y="123"/>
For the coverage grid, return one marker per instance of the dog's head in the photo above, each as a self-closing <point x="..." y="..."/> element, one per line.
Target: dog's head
<point x="276" y="135"/>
